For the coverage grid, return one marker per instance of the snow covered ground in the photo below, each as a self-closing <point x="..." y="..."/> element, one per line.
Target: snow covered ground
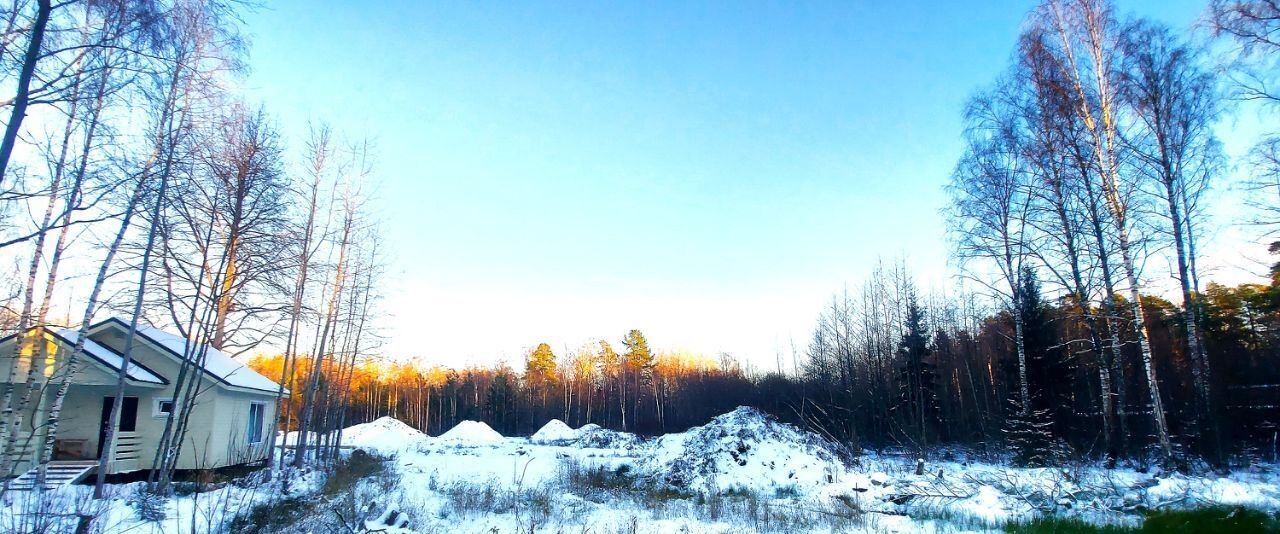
<point x="741" y="472"/>
<point x="746" y="472"/>
<point x="206" y="512"/>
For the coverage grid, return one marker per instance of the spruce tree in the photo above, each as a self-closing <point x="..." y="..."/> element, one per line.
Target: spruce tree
<point x="1030" y="436"/>
<point x="917" y="404"/>
<point x="498" y="402"/>
<point x="1034" y="434"/>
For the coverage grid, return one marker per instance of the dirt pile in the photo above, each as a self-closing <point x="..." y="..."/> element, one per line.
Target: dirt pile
<point x="745" y="449"/>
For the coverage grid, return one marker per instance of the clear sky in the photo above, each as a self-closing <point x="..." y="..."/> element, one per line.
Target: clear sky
<point x="708" y="172"/>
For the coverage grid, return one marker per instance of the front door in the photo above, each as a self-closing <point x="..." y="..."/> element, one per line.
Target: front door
<point x="128" y="418"/>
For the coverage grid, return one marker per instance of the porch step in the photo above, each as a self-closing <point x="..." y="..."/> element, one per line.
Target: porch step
<point x="57" y="474"/>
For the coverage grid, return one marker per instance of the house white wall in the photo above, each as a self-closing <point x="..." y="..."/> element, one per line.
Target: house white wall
<point x="216" y="432"/>
<point x="217" y="428"/>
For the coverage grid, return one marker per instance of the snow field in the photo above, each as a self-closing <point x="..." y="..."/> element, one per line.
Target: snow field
<point x="744" y="471"/>
<point x="206" y="512"/>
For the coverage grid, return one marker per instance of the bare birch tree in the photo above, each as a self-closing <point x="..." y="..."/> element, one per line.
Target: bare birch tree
<point x="1253" y="28"/>
<point x="1175" y="102"/>
<point x="1088" y="56"/>
<point x="990" y="212"/>
<point x="1059" y="215"/>
<point x="319" y="153"/>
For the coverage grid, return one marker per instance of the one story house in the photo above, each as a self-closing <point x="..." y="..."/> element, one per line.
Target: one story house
<point x="234" y="409"/>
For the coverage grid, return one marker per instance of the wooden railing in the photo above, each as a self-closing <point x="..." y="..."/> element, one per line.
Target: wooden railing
<point x="128" y="449"/>
<point x="24" y="447"/>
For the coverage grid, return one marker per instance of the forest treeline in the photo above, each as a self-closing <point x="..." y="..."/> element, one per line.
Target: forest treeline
<point x="1078" y="213"/>
<point x="873" y="350"/>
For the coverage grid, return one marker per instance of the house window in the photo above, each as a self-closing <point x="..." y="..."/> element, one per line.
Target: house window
<point x="256" y="412"/>
<point x="161" y="407"/>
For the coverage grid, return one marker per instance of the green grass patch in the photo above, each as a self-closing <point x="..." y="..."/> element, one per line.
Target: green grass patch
<point x="1064" y="525"/>
<point x="1233" y="519"/>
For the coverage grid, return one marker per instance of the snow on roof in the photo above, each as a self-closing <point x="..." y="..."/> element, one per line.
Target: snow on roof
<point x="217" y="363"/>
<point x="109" y="357"/>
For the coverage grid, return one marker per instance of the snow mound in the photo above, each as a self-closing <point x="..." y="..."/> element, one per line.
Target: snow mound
<point x="384" y="434"/>
<point x="471" y="433"/>
<point x="745" y="449"/>
<point x="555" y="431"/>
<point x="594" y="436"/>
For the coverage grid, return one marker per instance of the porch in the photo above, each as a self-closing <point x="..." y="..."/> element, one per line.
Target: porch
<point x="82" y="429"/>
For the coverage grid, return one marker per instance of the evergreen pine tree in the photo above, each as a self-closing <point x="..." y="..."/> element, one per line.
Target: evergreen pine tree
<point x="944" y="361"/>
<point x="917" y="404"/>
<point x="498" y="402"/>
<point x="1030" y="437"/>
<point x="541" y="364"/>
<point x="540" y="373"/>
<point x="638" y="354"/>
<point x="639" y="362"/>
<point x="1034" y="437"/>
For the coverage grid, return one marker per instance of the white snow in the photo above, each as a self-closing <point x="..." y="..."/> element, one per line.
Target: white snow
<point x="385" y="434"/>
<point x="109" y="357"/>
<point x="202" y="513"/>
<point x="743" y="450"/>
<point x="761" y="475"/>
<point x="216" y="362"/>
<point x="555" y="431"/>
<point x="471" y="433"/>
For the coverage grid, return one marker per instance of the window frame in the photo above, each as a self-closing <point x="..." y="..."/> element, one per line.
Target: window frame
<point x="155" y="406"/>
<point x="260" y="427"/>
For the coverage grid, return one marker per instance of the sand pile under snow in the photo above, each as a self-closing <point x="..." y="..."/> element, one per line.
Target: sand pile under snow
<point x="591" y="436"/>
<point x="383" y="434"/>
<point x="594" y="436"/>
<point x="555" y="431"/>
<point x="471" y="433"/>
<point x="745" y="449"/>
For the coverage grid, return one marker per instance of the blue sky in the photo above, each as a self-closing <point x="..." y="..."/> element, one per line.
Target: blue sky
<point x="708" y="172"/>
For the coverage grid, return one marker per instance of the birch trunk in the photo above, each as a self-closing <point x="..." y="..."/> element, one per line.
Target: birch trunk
<point x="1101" y="125"/>
<point x="69" y="367"/>
<point x="22" y="94"/>
<point x="309" y="400"/>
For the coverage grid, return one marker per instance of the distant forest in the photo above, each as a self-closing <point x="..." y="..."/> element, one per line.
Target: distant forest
<point x="1087" y="169"/>
<point x="878" y="358"/>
